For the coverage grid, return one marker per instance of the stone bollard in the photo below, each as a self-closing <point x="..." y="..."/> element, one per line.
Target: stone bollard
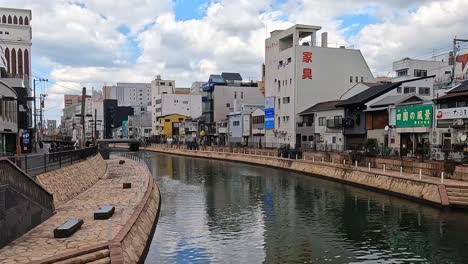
<point x="384" y="168"/>
<point x="355" y="164"/>
<point x="442" y="177"/>
<point x="420" y="174"/>
<point x="344" y="162"/>
<point x="333" y="161"/>
<point x="369" y="166"/>
<point x="322" y="159"/>
<point x="401" y="171"/>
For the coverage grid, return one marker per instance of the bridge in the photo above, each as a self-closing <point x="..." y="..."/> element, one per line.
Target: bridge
<point x="104" y="148"/>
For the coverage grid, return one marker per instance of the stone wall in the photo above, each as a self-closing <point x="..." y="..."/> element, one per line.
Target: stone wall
<point x="406" y="187"/>
<point x="68" y="182"/>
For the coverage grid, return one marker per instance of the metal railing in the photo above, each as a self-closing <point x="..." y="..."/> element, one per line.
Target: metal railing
<point x="35" y="164"/>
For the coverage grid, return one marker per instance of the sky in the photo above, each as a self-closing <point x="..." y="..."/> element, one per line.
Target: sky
<point x="91" y="43"/>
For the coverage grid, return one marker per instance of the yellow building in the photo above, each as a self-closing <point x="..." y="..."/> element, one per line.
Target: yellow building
<point x="169" y="125"/>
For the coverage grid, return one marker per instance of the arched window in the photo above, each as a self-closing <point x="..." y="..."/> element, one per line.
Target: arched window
<point x="20" y="62"/>
<point x="4" y="19"/>
<point x="26" y="21"/>
<point x="26" y="62"/>
<point x="20" y="20"/>
<point x="7" y="57"/>
<point x="15" y="20"/>
<point x="13" y="61"/>
<point x="9" y="19"/>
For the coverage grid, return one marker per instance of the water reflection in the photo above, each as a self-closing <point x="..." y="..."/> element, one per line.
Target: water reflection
<point x="224" y="212"/>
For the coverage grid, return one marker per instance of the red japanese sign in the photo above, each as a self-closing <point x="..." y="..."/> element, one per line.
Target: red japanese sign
<point x="307" y="57"/>
<point x="307" y="73"/>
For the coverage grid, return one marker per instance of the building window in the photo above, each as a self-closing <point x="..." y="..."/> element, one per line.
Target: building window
<point x="235" y="95"/>
<point x="351" y="79"/>
<point x="448" y="72"/>
<point x="424" y="91"/>
<point x="228" y="105"/>
<point x="357" y="79"/>
<point x="279" y="103"/>
<point x="402" y="72"/>
<point x="362" y="79"/>
<point x="181" y="119"/>
<point x="242" y="95"/>
<point x="289" y="60"/>
<point x="276" y="80"/>
<point x="280" y="63"/>
<point x="176" y="101"/>
<point x="7" y="33"/>
<point x="322" y="121"/>
<point x="167" y="120"/>
<point x="333" y="140"/>
<point x="286" y="100"/>
<point x="285" y="119"/>
<point x="398" y="89"/>
<point x="235" y="123"/>
<point x="304" y="138"/>
<point x="162" y="83"/>
<point x="279" y="86"/>
<point x="185" y="102"/>
<point x="311" y="138"/>
<point x="290" y="81"/>
<point x="420" y="73"/>
<point x="408" y="90"/>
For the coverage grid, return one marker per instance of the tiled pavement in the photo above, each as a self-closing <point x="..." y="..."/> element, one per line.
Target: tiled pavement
<point x="39" y="243"/>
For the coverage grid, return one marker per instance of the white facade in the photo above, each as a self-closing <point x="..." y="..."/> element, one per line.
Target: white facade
<point x="159" y="86"/>
<point x="299" y="75"/>
<point x="231" y="98"/>
<point x="326" y="134"/>
<point x="189" y="105"/>
<point x="136" y="95"/>
<point x="410" y="68"/>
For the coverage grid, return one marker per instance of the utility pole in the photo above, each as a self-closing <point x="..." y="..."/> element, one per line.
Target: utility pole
<point x="454" y="57"/>
<point x="95" y="126"/>
<point x="34" y="111"/>
<point x="83" y="114"/>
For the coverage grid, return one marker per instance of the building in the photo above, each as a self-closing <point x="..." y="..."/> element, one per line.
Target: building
<point x="167" y="100"/>
<point x="51" y="127"/>
<point x="240" y="125"/>
<point x="140" y="125"/>
<point x="261" y="83"/>
<point x="114" y="115"/>
<point x="321" y="127"/>
<point x="71" y="99"/>
<point x="451" y="117"/>
<point x="70" y="123"/>
<point x="8" y="119"/>
<point x="224" y="94"/>
<point x="407" y="68"/>
<point x="298" y="74"/>
<point x="136" y="95"/>
<point x="16" y="36"/>
<point x="196" y="88"/>
<point x="171" y="127"/>
<point x="94" y="113"/>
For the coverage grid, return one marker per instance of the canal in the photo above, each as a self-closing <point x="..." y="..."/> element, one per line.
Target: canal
<point x="225" y="212"/>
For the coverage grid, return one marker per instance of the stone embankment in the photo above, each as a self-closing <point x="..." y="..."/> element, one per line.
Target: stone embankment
<point x="423" y="188"/>
<point x="78" y="191"/>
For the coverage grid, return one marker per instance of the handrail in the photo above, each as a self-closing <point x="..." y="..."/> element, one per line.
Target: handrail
<point x="16" y="179"/>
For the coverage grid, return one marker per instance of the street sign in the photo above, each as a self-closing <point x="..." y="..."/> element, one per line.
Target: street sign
<point x="270" y="112"/>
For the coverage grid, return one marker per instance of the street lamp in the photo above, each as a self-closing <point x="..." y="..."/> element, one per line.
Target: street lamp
<point x="18" y="143"/>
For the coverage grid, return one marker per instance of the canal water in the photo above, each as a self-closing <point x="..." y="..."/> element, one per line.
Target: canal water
<point x="224" y="212"/>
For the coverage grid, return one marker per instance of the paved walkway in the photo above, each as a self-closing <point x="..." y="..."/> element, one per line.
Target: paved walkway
<point x="39" y="243"/>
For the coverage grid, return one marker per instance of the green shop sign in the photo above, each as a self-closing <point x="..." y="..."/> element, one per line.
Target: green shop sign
<point x="414" y="116"/>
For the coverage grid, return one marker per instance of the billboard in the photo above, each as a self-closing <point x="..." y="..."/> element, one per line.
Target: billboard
<point x="452" y="113"/>
<point x="269" y="112"/>
<point x="125" y="129"/>
<point x="414" y="116"/>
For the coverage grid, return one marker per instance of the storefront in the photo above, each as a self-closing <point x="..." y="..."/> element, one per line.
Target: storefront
<point x="413" y="127"/>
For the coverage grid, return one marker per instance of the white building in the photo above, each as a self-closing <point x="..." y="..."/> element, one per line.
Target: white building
<point x="15" y="37"/>
<point x="140" y="125"/>
<point x="298" y="74"/>
<point x="407" y="68"/>
<point x="136" y="95"/>
<point x="240" y="125"/>
<point x="167" y="100"/>
<point x="51" y="127"/>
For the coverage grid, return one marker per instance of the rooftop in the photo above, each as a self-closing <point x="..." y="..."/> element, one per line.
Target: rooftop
<point x="322" y="106"/>
<point x="396" y="99"/>
<point x="462" y="87"/>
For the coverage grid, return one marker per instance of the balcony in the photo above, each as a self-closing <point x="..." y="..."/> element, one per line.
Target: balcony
<point x="336" y="123"/>
<point x="222" y="130"/>
<point x="258" y="131"/>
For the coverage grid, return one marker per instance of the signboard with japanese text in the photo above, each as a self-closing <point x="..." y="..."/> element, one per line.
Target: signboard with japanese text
<point x="270" y="112"/>
<point x="307" y="60"/>
<point x="452" y="113"/>
<point x="414" y="116"/>
<point x="125" y="129"/>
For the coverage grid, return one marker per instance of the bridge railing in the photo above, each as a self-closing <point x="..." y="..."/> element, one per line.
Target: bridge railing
<point x="35" y="164"/>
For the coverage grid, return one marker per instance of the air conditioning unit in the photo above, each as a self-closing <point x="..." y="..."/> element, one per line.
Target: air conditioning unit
<point x="458" y="122"/>
<point x="435" y="138"/>
<point x="439" y="155"/>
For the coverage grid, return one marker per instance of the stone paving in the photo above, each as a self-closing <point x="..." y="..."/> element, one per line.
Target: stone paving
<point x="39" y="243"/>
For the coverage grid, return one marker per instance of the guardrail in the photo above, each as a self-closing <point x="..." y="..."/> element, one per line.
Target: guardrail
<point x="35" y="164"/>
<point x="19" y="181"/>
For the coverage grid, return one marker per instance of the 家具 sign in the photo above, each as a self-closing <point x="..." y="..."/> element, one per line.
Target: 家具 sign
<point x="307" y="71"/>
<point x="270" y="112"/>
<point x="414" y="116"/>
<point x="452" y="113"/>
